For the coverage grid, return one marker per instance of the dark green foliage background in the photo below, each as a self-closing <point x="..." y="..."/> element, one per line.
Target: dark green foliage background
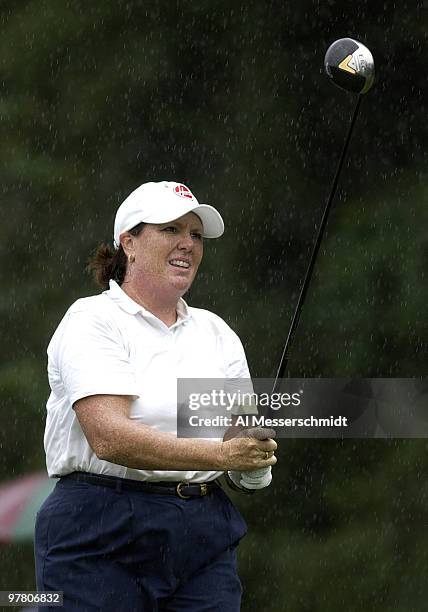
<point x="230" y="98"/>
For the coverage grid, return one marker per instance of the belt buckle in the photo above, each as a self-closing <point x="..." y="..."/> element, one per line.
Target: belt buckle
<point x="179" y="493"/>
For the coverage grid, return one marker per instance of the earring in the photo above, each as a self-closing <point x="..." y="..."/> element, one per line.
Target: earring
<point x="131" y="259"/>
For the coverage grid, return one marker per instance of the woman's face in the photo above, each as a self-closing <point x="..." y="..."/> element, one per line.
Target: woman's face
<point x="167" y="255"/>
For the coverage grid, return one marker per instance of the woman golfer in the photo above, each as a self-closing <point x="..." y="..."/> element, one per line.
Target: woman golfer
<point x="137" y="520"/>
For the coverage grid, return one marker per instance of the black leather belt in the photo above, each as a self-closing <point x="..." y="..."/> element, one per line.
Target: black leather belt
<point x="185" y="490"/>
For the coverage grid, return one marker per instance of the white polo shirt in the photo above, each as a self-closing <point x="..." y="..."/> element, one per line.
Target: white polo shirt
<point x="108" y="344"/>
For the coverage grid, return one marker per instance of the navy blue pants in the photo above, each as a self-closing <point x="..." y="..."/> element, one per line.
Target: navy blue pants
<point x="133" y="550"/>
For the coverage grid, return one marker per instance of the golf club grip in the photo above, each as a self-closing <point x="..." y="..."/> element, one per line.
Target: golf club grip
<point x="285" y="353"/>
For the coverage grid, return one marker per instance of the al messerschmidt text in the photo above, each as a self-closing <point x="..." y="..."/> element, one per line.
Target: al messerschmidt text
<point x="254" y="420"/>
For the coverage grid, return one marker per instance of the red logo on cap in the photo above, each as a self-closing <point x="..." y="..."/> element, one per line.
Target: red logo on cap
<point x="183" y="192"/>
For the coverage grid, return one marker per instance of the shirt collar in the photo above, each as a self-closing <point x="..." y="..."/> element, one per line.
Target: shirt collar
<point x="117" y="295"/>
<point x="183" y="314"/>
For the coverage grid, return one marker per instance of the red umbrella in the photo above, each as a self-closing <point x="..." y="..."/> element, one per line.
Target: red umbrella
<point x="20" y="500"/>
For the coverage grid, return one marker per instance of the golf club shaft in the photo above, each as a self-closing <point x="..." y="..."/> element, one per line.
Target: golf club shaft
<point x="286" y="351"/>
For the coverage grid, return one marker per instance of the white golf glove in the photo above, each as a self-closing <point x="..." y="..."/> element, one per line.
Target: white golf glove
<point x="256" y="479"/>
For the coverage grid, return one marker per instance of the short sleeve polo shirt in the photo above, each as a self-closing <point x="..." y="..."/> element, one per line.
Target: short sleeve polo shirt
<point x="109" y="345"/>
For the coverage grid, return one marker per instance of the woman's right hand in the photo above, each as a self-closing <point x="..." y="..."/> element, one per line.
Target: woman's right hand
<point x="252" y="449"/>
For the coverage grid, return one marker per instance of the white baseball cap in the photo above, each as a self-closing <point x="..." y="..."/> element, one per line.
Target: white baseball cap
<point x="163" y="202"/>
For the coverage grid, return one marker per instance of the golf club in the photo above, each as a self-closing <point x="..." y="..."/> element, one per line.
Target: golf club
<point x="349" y="64"/>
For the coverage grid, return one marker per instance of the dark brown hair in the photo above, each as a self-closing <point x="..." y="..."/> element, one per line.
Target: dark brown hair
<point x="107" y="263"/>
